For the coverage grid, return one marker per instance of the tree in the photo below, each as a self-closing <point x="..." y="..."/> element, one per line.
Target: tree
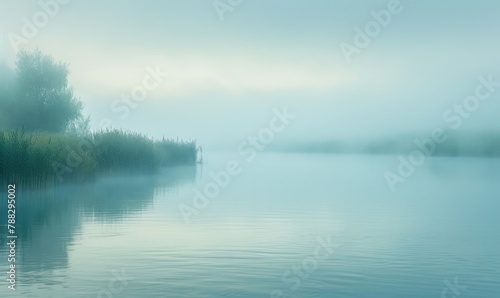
<point x="43" y="100"/>
<point x="79" y="127"/>
<point x="7" y="81"/>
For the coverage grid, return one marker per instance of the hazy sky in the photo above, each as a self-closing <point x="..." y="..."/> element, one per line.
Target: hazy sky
<point x="225" y="77"/>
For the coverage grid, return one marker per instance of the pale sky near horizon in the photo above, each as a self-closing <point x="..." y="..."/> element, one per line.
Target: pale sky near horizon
<point x="225" y="77"/>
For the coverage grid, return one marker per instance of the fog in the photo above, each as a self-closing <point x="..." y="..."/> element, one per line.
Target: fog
<point x="221" y="79"/>
<point x="250" y="148"/>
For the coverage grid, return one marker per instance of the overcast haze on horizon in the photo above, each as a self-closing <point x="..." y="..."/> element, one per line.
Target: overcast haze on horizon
<point x="226" y="77"/>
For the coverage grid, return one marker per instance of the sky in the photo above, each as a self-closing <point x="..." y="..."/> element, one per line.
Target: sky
<point x="222" y="78"/>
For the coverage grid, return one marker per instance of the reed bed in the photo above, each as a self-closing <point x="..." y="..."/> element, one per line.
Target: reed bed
<point x="43" y="158"/>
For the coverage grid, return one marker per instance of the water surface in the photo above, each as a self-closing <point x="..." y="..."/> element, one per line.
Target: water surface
<point x="263" y="233"/>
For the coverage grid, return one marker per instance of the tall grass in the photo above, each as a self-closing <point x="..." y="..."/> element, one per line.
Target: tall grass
<point x="36" y="158"/>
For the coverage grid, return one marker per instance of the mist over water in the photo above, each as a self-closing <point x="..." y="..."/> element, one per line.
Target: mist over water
<point x="248" y="240"/>
<point x="231" y="74"/>
<point x="250" y="148"/>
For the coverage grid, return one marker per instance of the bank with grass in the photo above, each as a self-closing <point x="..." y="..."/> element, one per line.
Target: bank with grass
<point x="43" y="158"/>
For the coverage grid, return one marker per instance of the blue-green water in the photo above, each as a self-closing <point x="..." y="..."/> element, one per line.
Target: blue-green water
<point x="289" y="225"/>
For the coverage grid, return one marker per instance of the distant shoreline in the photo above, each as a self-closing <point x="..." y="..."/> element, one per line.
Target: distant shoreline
<point x="478" y="145"/>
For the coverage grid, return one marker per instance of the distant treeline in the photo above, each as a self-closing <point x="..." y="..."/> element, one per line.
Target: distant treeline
<point x="44" y="158"/>
<point x="452" y="145"/>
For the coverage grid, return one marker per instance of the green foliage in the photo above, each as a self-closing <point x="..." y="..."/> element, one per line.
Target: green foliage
<point x="121" y="151"/>
<point x="79" y="127"/>
<point x="41" y="99"/>
<point x="38" y="106"/>
<point x="173" y="152"/>
<point x="44" y="158"/>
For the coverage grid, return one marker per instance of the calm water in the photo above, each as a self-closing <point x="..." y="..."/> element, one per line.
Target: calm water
<point x="288" y="225"/>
